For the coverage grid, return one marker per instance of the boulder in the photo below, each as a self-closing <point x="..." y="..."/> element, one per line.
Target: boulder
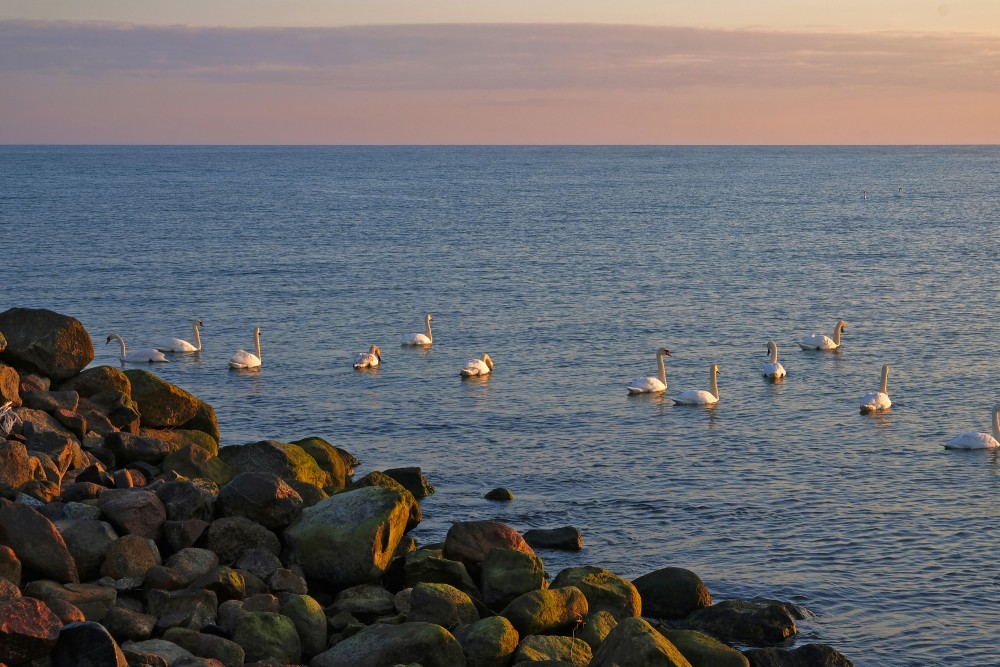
<point x="87" y="644"/>
<point x="10" y="381"/>
<point x="178" y="535"/>
<point x="97" y="379"/>
<point x="426" y="644"/>
<point x="704" y="651"/>
<point x="634" y="643"/>
<point x="598" y="626"/>
<point x="429" y="566"/>
<point x="810" y="655"/>
<point x="54" y="345"/>
<point x="28" y="630"/>
<point x="224" y="581"/>
<point x="566" y="538"/>
<point x="119" y="407"/>
<point x="753" y="622"/>
<point x="38" y="545"/>
<point x="165" y="603"/>
<point x="329" y="459"/>
<point x="51" y="401"/>
<point x="161" y="404"/>
<point x="539" y="648"/>
<point x="133" y="511"/>
<point x="227" y="652"/>
<point x="61" y="447"/>
<point x="130" y="556"/>
<point x="604" y="590"/>
<point x="77" y="492"/>
<point x="470" y="541"/>
<point x="261" y="497"/>
<point x="489" y="642"/>
<point x="204" y="420"/>
<point x="191" y="563"/>
<point x="349" y="538"/>
<point x="127" y="625"/>
<point x="442" y="604"/>
<point x="381" y="480"/>
<point x="88" y="541"/>
<point x="500" y="494"/>
<point x="507" y="573"/>
<point x="365" y="602"/>
<point x="231" y="536"/>
<point x="283" y="459"/>
<point x="184" y="437"/>
<point x="8" y="591"/>
<point x="259" y="562"/>
<point x="16" y="467"/>
<point x="128" y="448"/>
<point x="545" y="612"/>
<point x="310" y="493"/>
<point x="310" y="622"/>
<point x="74" y="422"/>
<point x="94" y="601"/>
<point x="145" y="652"/>
<point x="413" y="480"/>
<point x="197" y="463"/>
<point x="66" y="612"/>
<point x="268" y="637"/>
<point x="10" y="566"/>
<point x="671" y="593"/>
<point x="188" y="499"/>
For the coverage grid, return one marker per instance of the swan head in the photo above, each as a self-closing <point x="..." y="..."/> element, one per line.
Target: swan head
<point x="112" y="337"/>
<point x="429" y="318"/>
<point x="715" y="369"/>
<point x="840" y="325"/>
<point x="199" y="323"/>
<point x="487" y="360"/>
<point x="376" y="351"/>
<point x="257" y="331"/>
<point x="664" y="351"/>
<point x="771" y="346"/>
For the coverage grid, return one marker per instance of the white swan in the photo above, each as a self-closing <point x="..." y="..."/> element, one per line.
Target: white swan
<point x="974" y="440"/>
<point x="178" y="345"/>
<point x="821" y="342"/>
<point x="477" y="367"/>
<point x="245" y="360"/>
<point x="772" y="370"/>
<point x="419" y="338"/>
<point x="700" y="396"/>
<point x="652" y="385"/>
<point x="877" y="401"/>
<point x="370" y="359"/>
<point x="149" y="354"/>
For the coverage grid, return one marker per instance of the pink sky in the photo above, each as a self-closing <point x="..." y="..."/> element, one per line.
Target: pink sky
<point x="525" y="83"/>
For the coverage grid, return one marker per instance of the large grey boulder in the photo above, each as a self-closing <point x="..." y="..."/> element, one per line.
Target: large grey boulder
<point x="232" y="535"/>
<point x="88" y="540"/>
<point x="56" y="346"/>
<point x="426" y="644"/>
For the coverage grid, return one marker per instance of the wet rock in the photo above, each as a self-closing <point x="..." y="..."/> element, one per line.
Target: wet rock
<point x="700" y="649"/>
<point x="604" y="590"/>
<point x="94" y="601"/>
<point x="268" y="637"/>
<point x="37" y="543"/>
<point x="500" y="494"/>
<point x="490" y="642"/>
<point x="539" y="648"/>
<point x="261" y="497"/>
<point x="470" y="541"/>
<point x="28" y="630"/>
<point x="752" y="622"/>
<point x="413" y="480"/>
<point x="810" y="655"/>
<point x="442" y="604"/>
<point x="427" y="644"/>
<point x="635" y="642"/>
<point x="130" y="556"/>
<point x="133" y="511"/>
<point x="282" y="459"/>
<point x="310" y="623"/>
<point x="566" y="538"/>
<point x="161" y="404"/>
<point x="507" y="574"/>
<point x="550" y="611"/>
<point x="196" y="462"/>
<point x="231" y="536"/>
<point x="671" y="593"/>
<point x="97" y="379"/>
<point x="87" y="644"/>
<point x="54" y="345"/>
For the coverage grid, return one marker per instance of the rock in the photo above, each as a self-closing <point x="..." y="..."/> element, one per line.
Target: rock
<point x="128" y="625"/>
<point x="119" y="407"/>
<point x="604" y="590"/>
<point x="381" y="480"/>
<point x="259" y="562"/>
<point x="429" y="566"/>
<point x="79" y="491"/>
<point x="8" y="591"/>
<point x="88" y="541"/>
<point x="130" y="556"/>
<point x="413" y="480"/>
<point x="196" y="462"/>
<point x="10" y="566"/>
<point x="189" y="564"/>
<point x="310" y="493"/>
<point x="379" y="645"/>
<point x="128" y="447"/>
<point x="75" y="423"/>
<point x="61" y="447"/>
<point x="810" y="655"/>
<point x="225" y="582"/>
<point x="28" y="630"/>
<point x="500" y="494"/>
<point x="15" y="467"/>
<point x="94" y="601"/>
<point x="490" y="642"/>
<point x="192" y="609"/>
<point x="566" y="538"/>
<point x="349" y="538"/>
<point x="51" y="401"/>
<point x="57" y="346"/>
<point x="188" y="499"/>
<point x="550" y="611"/>
<point x="231" y="536"/>
<point x="66" y="612"/>
<point x="98" y="421"/>
<point x="168" y="651"/>
<point x="133" y="511"/>
<point x="365" y="602"/>
<point x="330" y="460"/>
<point x="704" y="651"/>
<point x="671" y="593"/>
<point x="184" y="437"/>
<point x="261" y="497"/>
<point x="282" y="459"/>
<point x="507" y="573"/>
<point x="9" y="386"/>
<point x="598" y="626"/>
<point x="87" y="644"/>
<point x="178" y="535"/>
<point x="204" y="420"/>
<point x="49" y="470"/>
<point x="442" y="604"/>
<point x="227" y="652"/>
<point x="470" y="541"/>
<point x="750" y="622"/>
<point x="267" y="637"/>
<point x="538" y="648"/>
<point x="96" y="380"/>
<point x="161" y="404"/>
<point x="634" y="642"/>
<point x="42" y="491"/>
<point x="37" y="543"/>
<point x="310" y="623"/>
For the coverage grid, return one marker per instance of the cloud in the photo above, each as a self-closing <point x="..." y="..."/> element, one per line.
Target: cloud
<point x="479" y="57"/>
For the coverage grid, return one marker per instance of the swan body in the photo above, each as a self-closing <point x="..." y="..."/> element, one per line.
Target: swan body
<point x="700" y="396"/>
<point x="178" y="345"/>
<point x="821" y="342"/>
<point x="773" y="370"/>
<point x="419" y="338"/>
<point x="370" y="359"/>
<point x="246" y="360"/>
<point x="145" y="355"/>
<point x="652" y="385"/>
<point x="478" y="367"/>
<point x="877" y="401"/>
<point x="978" y="440"/>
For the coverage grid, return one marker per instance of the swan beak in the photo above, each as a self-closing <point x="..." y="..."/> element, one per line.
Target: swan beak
<point x="668" y="352"/>
<point x="108" y="341"/>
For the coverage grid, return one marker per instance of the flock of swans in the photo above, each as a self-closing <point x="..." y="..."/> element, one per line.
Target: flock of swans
<point x="871" y="402"/>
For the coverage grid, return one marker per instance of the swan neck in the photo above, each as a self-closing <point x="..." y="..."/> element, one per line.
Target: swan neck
<point x="121" y="341"/>
<point x="197" y="336"/>
<point x="663" y="369"/>
<point x="429" y="328"/>
<point x="836" y="336"/>
<point x="257" y="341"/>
<point x="774" y="353"/>
<point x="996" y="422"/>
<point x="885" y="380"/>
<point x="715" y="383"/>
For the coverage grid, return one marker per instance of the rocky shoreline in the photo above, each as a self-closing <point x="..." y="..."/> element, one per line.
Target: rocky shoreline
<point x="129" y="537"/>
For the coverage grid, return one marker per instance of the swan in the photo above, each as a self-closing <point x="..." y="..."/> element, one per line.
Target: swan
<point x="773" y="370"/>
<point x="652" y="385"/>
<point x="974" y="440"/>
<point x="149" y="354"/>
<point x="700" y="396"/>
<point x="821" y="342"/>
<point x="877" y="401"/>
<point x="178" y="345"/>
<point x="244" y="359"/>
<point x="370" y="359"/>
<point x="419" y="338"/>
<point x="477" y="367"/>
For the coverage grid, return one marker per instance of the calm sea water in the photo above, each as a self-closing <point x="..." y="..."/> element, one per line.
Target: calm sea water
<point x="570" y="266"/>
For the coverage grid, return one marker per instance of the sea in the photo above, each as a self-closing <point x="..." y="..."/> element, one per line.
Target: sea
<point x="571" y="266"/>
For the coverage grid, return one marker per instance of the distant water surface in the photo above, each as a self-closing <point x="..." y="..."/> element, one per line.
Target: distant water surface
<point x="571" y="266"/>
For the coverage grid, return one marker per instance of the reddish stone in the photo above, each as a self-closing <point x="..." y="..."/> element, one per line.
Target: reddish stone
<point x="28" y="630"/>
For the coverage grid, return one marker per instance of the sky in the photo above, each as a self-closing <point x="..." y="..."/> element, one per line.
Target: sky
<point x="538" y="72"/>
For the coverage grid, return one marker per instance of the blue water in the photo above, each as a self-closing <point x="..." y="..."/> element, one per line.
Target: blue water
<point x="570" y="266"/>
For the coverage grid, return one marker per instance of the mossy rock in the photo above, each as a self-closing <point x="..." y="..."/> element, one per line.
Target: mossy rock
<point x="704" y="651"/>
<point x="184" y="436"/>
<point x="329" y="460"/>
<point x="161" y="404"/>
<point x="604" y="590"/>
<point x="204" y="420"/>
<point x="268" y="637"/>
<point x="95" y="380"/>
<point x="282" y="459"/>
<point x="490" y="642"/>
